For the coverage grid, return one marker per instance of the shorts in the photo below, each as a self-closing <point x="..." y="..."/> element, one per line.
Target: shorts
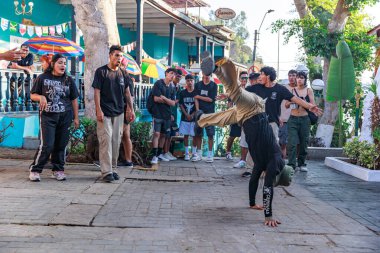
<point x="186" y="128"/>
<point x="161" y="126"/>
<point x="243" y="143"/>
<point x="210" y="131"/>
<point x="283" y="134"/>
<point x="235" y="130"/>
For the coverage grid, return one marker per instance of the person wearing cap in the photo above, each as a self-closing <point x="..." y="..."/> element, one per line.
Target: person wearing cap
<point x="249" y="111"/>
<point x="207" y="91"/>
<point x="254" y="78"/>
<point x="164" y="99"/>
<point x="187" y="106"/>
<point x="173" y="120"/>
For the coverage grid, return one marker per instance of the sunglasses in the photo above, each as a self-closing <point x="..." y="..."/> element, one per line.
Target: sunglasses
<point x="244" y="78"/>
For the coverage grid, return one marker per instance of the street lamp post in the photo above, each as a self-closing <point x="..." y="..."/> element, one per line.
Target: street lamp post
<point x="256" y="39"/>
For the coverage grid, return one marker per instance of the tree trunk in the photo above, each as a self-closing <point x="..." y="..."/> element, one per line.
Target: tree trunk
<point x="337" y="23"/>
<point x="97" y="21"/>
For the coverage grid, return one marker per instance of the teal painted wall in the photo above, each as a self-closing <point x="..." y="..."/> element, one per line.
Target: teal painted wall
<point x="156" y="46"/>
<point x="45" y="13"/>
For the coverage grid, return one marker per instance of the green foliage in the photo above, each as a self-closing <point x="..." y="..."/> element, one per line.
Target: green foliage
<point x="341" y="78"/>
<point x="313" y="34"/>
<point x="362" y="153"/>
<point x="140" y="136"/>
<point x="79" y="137"/>
<point x="368" y="155"/>
<point x="352" y="149"/>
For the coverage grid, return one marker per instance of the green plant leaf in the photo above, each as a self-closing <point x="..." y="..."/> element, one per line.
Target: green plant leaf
<point x="341" y="78"/>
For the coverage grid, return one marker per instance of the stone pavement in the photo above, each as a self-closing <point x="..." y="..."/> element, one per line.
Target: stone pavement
<point x="184" y="207"/>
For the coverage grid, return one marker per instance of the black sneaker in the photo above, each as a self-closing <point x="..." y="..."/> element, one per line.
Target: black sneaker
<point x="115" y="176"/>
<point x="127" y="164"/>
<point x="108" y="178"/>
<point x="246" y="174"/>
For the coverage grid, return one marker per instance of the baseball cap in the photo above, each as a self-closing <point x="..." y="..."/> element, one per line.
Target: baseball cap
<point x="254" y="75"/>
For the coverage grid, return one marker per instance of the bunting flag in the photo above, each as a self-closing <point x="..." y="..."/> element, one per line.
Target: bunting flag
<point x="4" y="24"/>
<point x="22" y="29"/>
<point x="45" y="30"/>
<point x="52" y="30"/>
<point x="58" y="28"/>
<point x="39" y="31"/>
<point x="30" y="30"/>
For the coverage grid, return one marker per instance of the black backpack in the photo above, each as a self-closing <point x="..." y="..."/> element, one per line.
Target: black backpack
<point x="150" y="102"/>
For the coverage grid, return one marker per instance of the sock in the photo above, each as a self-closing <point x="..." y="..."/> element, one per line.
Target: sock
<point x="159" y="152"/>
<point x="199" y="152"/>
<point x="210" y="153"/>
<point x="194" y="150"/>
<point x="228" y="153"/>
<point x="154" y="151"/>
<point x="186" y="150"/>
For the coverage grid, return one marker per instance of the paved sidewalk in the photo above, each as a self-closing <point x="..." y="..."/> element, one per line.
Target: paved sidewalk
<point x="184" y="207"/>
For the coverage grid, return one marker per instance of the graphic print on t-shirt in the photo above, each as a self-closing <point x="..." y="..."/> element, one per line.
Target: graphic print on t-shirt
<point x="204" y="93"/>
<point x="189" y="104"/>
<point x="55" y="91"/>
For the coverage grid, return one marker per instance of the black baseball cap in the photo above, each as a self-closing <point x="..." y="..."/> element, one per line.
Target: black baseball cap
<point x="189" y="76"/>
<point x="254" y="76"/>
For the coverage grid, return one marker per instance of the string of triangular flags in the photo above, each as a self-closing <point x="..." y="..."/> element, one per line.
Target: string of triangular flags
<point x="38" y="30"/>
<point x="129" y="47"/>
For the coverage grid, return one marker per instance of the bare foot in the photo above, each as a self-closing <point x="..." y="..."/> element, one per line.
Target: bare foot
<point x="257" y="207"/>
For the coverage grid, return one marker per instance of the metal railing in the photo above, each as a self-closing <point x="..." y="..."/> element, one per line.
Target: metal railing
<point x="15" y="87"/>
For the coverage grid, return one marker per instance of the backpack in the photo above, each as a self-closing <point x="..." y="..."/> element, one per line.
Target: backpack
<point x="150" y="102"/>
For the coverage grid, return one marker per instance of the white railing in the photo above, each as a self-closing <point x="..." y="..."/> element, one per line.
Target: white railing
<point x="141" y="93"/>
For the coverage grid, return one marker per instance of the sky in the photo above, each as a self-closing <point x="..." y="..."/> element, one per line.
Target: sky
<point x="268" y="44"/>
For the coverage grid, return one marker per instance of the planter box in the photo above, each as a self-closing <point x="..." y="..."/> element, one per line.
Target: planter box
<point x="339" y="163"/>
<point x="320" y="153"/>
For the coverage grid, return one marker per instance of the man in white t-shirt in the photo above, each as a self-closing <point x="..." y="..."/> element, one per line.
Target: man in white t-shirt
<point x="285" y="114"/>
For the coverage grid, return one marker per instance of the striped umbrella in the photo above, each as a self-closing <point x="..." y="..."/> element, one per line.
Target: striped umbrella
<point x="131" y="65"/>
<point x="153" y="68"/>
<point x="184" y="71"/>
<point x="54" y="45"/>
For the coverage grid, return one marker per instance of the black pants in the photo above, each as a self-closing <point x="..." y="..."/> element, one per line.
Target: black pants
<point x="54" y="136"/>
<point x="266" y="155"/>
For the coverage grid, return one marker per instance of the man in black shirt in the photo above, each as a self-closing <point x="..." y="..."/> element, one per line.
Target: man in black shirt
<point x="111" y="93"/>
<point x="205" y="101"/>
<point x="164" y="98"/>
<point x="26" y="64"/>
<point x="273" y="94"/>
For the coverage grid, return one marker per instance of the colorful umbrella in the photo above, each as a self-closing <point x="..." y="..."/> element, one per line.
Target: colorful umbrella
<point x="54" y="45"/>
<point x="184" y="71"/>
<point x="131" y="65"/>
<point x="153" y="68"/>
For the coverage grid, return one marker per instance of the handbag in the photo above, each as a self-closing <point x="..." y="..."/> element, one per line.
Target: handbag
<point x="313" y="118"/>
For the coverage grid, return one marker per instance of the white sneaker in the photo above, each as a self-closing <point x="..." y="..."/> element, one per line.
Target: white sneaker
<point x="187" y="157"/>
<point x="59" y="175"/>
<point x="304" y="169"/>
<point x="163" y="158"/>
<point x="154" y="160"/>
<point x="195" y="158"/>
<point x="171" y="156"/>
<point x="34" y="176"/>
<point x="209" y="159"/>
<point x="241" y="164"/>
<point x="229" y="157"/>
